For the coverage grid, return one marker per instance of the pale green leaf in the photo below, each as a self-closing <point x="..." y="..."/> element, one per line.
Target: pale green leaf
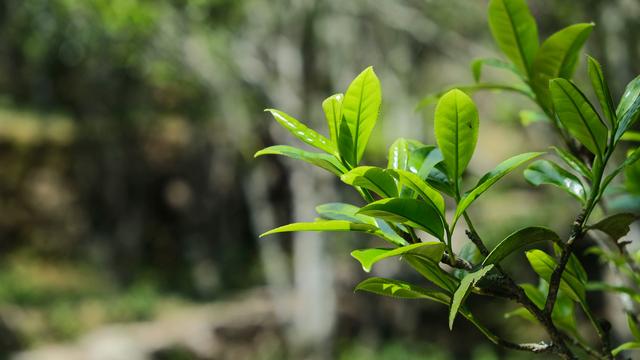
<point x="325" y="161"/>
<point x="415" y="183"/>
<point x="302" y="132"/>
<point x="401" y="289"/>
<point x="372" y="178"/>
<point x="626" y="346"/>
<point x="463" y="291"/>
<point x="323" y="225"/>
<point x="431" y="250"/>
<point x="342" y="211"/>
<point x="332" y="107"/>
<point x="478" y="64"/>
<point x="544" y="265"/>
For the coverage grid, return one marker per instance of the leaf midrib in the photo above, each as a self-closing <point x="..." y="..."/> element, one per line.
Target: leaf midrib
<point x="584" y="120"/>
<point x="357" y="132"/>
<point x="517" y="39"/>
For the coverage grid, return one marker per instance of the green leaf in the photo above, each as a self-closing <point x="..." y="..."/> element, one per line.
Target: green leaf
<point x="557" y="57"/>
<point x="401" y="289"/>
<point x="373" y="178"/>
<point x="631" y="93"/>
<point x="626" y="346"/>
<point x="470" y="89"/>
<point x="323" y="225"/>
<point x="412" y="212"/>
<point x="463" y="291"/>
<point x="491" y="178"/>
<point x="432" y="271"/>
<point x="628" y="119"/>
<point x="302" y="132"/>
<point x="477" y="64"/>
<point x="573" y="162"/>
<point x="432" y="250"/>
<point x="633" y="327"/>
<point x="519" y="240"/>
<point x="600" y="87"/>
<point x="360" y="109"/>
<point x="616" y="226"/>
<point x="547" y="172"/>
<point x="456" y="128"/>
<point x="528" y="117"/>
<point x="324" y="161"/>
<point x="627" y="164"/>
<point x="544" y="265"/>
<point x="515" y="31"/>
<point x="577" y="114"/>
<point x="415" y="183"/>
<point x="631" y="136"/>
<point x="342" y="211"/>
<point x="400" y="153"/>
<point x="332" y="107"/>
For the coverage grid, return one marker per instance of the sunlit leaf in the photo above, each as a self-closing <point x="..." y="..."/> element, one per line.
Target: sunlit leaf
<point x="372" y="178"/>
<point x="415" y="213"/>
<point x="325" y="161"/>
<point x="544" y="265"/>
<point x="518" y="241"/>
<point x="573" y="162"/>
<point x="432" y="250"/>
<point x="547" y="172"/>
<point x="323" y="225"/>
<point x="401" y="289"/>
<point x="423" y="189"/>
<point x="332" y="107"/>
<point x="302" y="132"/>
<point x="626" y="346"/>
<point x="463" y="291"/>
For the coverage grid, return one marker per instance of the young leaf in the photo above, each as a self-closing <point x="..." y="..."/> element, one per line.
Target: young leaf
<point x="324" y="161"/>
<point x="470" y="89"/>
<point x="332" y="107"/>
<point x="342" y="211"/>
<point x="431" y="250"/>
<point x="515" y="31"/>
<point x="463" y="291"/>
<point x="400" y="153"/>
<point x="631" y="93"/>
<point x="577" y="114"/>
<point x="373" y="178"/>
<point x="547" y="172"/>
<point x="633" y="327"/>
<point x="360" y="111"/>
<point x="544" y="265"/>
<point x="600" y="87"/>
<point x="519" y="240"/>
<point x="626" y="346"/>
<point x="456" y="128"/>
<point x="627" y="164"/>
<point x="616" y="226"/>
<point x="477" y="64"/>
<point x="431" y="271"/>
<point x="302" y="132"/>
<point x="412" y="212"/>
<point x="528" y="117"/>
<point x="491" y="178"/>
<point x="415" y="183"/>
<point x="557" y="57"/>
<point x="628" y="119"/>
<point x="323" y="225"/>
<point x="573" y="162"/>
<point x="401" y="289"/>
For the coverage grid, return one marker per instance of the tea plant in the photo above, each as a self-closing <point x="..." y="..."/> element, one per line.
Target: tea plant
<point x="406" y="200"/>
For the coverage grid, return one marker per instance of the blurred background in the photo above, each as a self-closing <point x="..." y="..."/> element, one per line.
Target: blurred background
<point x="130" y="201"/>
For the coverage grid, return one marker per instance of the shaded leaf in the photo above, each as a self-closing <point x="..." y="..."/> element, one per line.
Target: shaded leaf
<point x="631" y="93"/>
<point x="628" y="119"/>
<point x="372" y="178"/>
<point x="431" y="250"/>
<point x="302" y="132"/>
<point x="342" y="211"/>
<point x="544" y="265"/>
<point x="519" y="240"/>
<point x="412" y="212"/>
<point x="470" y="89"/>
<point x="332" y="107"/>
<point x="401" y="289"/>
<point x="547" y="172"/>
<point x="633" y="327"/>
<point x="626" y="346"/>
<point x="477" y="64"/>
<point x="600" y="87"/>
<point x="633" y="170"/>
<point x="528" y="117"/>
<point x="463" y="291"/>
<point x="423" y="189"/>
<point x="432" y="271"/>
<point x="573" y="162"/>
<point x="616" y="226"/>
<point x="321" y="160"/>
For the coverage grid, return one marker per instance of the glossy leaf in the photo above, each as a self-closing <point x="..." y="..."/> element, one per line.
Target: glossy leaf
<point x="372" y="178"/>
<point x="400" y="153"/>
<point x="518" y="241"/>
<point x="456" y="128"/>
<point x="600" y="87"/>
<point x="573" y="162"/>
<point x="478" y="64"/>
<point x="432" y="271"/>
<point x="321" y="160"/>
<point x="491" y="178"/>
<point x="401" y="289"/>
<point x="630" y="164"/>
<point x="360" y="109"/>
<point x="342" y="211"/>
<point x="616" y="226"/>
<point x="431" y="250"/>
<point x="515" y="31"/>
<point x="323" y="225"/>
<point x="547" y="172"/>
<point x="628" y="119"/>
<point x="544" y="265"/>
<point x="626" y="346"/>
<point x="412" y="212"/>
<point x="332" y="107"/>
<point x="463" y="291"/>
<point x="631" y="93"/>
<point x="415" y="183"/>
<point x="557" y="58"/>
<point x="578" y="116"/>
<point x="302" y="132"/>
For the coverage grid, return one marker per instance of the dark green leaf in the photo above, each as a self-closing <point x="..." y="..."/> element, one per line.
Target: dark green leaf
<point x="423" y="189"/>
<point x="432" y="271"/>
<point x="456" y="128"/>
<point x="324" y="161"/>
<point x="600" y="87"/>
<point x="519" y="240"/>
<point x="632" y="167"/>
<point x="401" y="289"/>
<point x="544" y="265"/>
<point x="323" y="225"/>
<point x="431" y="250"/>
<point x="616" y="226"/>
<point x="332" y="107"/>
<point x="360" y="109"/>
<point x="515" y="31"/>
<point x="372" y="178"/>
<point x="412" y="212"/>
<point x="477" y="64"/>
<point x="631" y="93"/>
<point x="557" y="57"/>
<point x="302" y="132"/>
<point x="628" y="119"/>
<point x="547" y="172"/>
<point x="573" y="162"/>
<point x="491" y="178"/>
<point x="463" y="291"/>
<point x="577" y="114"/>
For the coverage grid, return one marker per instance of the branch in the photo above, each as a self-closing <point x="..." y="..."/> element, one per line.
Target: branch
<point x="458" y="263"/>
